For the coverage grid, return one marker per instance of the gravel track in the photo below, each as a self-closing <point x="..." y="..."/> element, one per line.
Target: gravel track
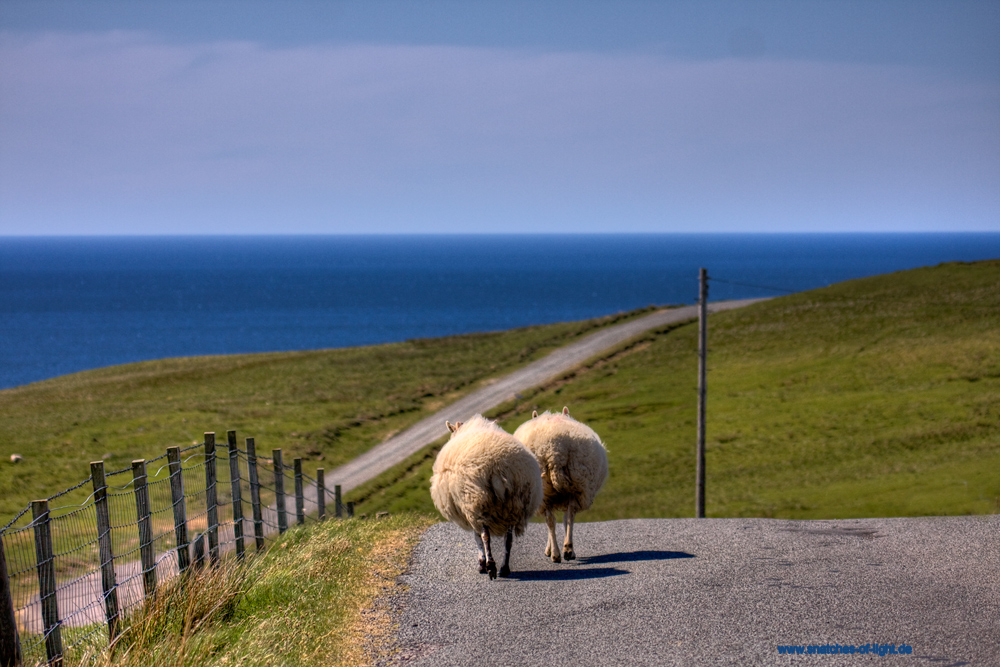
<point x="399" y="447"/>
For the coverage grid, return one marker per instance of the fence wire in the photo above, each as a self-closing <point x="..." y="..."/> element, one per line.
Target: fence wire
<point x="59" y="578"/>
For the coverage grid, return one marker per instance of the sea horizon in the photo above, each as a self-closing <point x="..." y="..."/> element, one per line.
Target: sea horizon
<point x="152" y="235"/>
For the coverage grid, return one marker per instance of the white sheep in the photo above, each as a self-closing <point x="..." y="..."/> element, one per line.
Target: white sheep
<point x="486" y="481"/>
<point x="574" y="465"/>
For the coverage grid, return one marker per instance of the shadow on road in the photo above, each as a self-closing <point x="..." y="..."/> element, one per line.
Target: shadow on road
<point x="633" y="556"/>
<point x="567" y="574"/>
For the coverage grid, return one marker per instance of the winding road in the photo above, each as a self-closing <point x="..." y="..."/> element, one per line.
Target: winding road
<point x="691" y="591"/>
<point x="406" y="443"/>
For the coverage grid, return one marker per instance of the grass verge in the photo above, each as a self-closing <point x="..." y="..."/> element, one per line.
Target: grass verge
<point x="307" y="601"/>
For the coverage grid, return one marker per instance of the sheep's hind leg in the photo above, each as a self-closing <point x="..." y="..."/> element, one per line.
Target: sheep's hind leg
<point x="491" y="565"/>
<point x="552" y="546"/>
<point x="505" y="569"/>
<point x="482" y="553"/>
<point x="568" y="517"/>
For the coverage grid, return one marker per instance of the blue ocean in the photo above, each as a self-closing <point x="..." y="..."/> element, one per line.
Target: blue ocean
<point x="74" y="303"/>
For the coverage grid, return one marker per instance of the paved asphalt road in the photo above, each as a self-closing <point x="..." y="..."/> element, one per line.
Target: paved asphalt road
<point x="710" y="592"/>
<point x="396" y="449"/>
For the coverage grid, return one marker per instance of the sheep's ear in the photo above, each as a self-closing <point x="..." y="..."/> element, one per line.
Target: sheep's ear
<point x="534" y="413"/>
<point x="451" y="427"/>
<point x="566" y="411"/>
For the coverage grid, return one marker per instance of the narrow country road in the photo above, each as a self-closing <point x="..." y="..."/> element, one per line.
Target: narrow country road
<point x="708" y="592"/>
<point x="397" y="448"/>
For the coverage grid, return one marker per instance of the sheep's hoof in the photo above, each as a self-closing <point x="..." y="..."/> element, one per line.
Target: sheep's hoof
<point x="556" y="558"/>
<point x="491" y="567"/>
<point x="482" y="567"/>
<point x="568" y="553"/>
<point x="548" y="549"/>
<point x="504" y="571"/>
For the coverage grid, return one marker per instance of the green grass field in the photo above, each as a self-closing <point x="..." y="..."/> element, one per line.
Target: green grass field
<point x="326" y="406"/>
<point x="874" y="397"/>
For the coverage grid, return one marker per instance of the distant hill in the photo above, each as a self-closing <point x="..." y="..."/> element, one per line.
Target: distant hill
<point x="872" y="397"/>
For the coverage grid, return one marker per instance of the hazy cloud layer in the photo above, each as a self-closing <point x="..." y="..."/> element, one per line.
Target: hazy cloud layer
<point x="122" y="133"/>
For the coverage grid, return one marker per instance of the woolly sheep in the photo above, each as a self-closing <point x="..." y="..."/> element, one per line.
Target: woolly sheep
<point x="486" y="481"/>
<point x="574" y="465"/>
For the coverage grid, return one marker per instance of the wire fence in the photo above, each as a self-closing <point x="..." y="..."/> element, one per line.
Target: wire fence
<point x="70" y="573"/>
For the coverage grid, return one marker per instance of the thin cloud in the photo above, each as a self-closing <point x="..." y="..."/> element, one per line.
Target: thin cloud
<point x="328" y="137"/>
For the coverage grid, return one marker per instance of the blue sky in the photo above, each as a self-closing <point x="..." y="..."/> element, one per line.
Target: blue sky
<point x="441" y="117"/>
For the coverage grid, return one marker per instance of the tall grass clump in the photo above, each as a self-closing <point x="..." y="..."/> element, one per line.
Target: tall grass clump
<point x="185" y="612"/>
<point x="306" y="601"/>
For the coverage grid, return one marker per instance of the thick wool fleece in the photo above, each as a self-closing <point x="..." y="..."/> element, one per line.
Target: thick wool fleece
<point x="484" y="477"/>
<point x="572" y="458"/>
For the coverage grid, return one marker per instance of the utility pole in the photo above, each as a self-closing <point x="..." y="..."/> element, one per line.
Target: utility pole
<point x="699" y="485"/>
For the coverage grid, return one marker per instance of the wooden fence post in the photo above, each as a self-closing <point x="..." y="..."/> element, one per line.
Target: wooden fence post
<point x="10" y="645"/>
<point x="141" y="492"/>
<point x="234" y="476"/>
<point x="320" y="494"/>
<point x="338" y="507"/>
<point x="258" y="518"/>
<point x="108" y="583"/>
<point x="300" y="501"/>
<point x="180" y="508"/>
<point x="45" y="564"/>
<point x="279" y="490"/>
<point x="350" y="509"/>
<point x="212" y="499"/>
<point x="199" y="551"/>
<point x="699" y="485"/>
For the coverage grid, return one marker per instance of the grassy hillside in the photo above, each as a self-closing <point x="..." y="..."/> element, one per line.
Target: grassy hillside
<point x="874" y="397"/>
<point x="327" y="406"/>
